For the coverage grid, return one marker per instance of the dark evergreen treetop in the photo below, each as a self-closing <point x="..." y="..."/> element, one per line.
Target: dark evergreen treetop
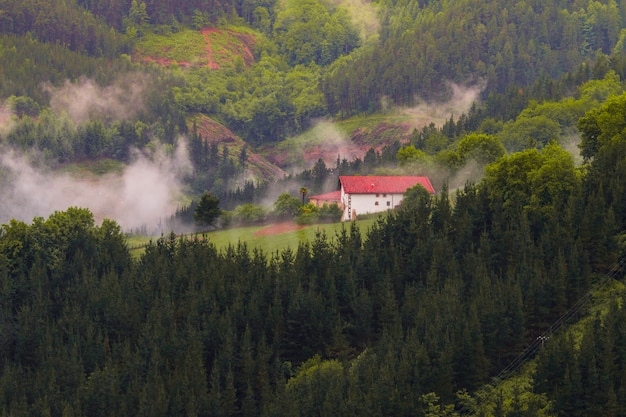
<point x="207" y="211"/>
<point x="435" y="298"/>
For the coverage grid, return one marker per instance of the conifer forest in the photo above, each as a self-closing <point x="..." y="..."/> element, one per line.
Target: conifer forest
<point x="503" y="294"/>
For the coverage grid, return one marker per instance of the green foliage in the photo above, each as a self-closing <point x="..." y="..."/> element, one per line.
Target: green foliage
<point x="330" y="213"/>
<point x="587" y="356"/>
<point x="308" y="214"/>
<point x="304" y="191"/>
<point x="433" y="298"/>
<point x="604" y="144"/>
<point x="529" y="132"/>
<point x="306" y="31"/>
<point x="63" y="141"/>
<point x="533" y="181"/>
<point x="24" y="106"/>
<point x="100" y="167"/>
<point x="410" y="154"/>
<point x="29" y="62"/>
<point x="207" y="211"/>
<point x="262" y="104"/>
<point x="286" y="206"/>
<point x="137" y="14"/>
<point x="432" y="408"/>
<point x="415" y="198"/>
<point x="539" y="123"/>
<point x="262" y="20"/>
<point x="602" y="125"/>
<point x="317" y="388"/>
<point x="598" y="91"/>
<point x="480" y="147"/>
<point x="249" y="214"/>
<point x="187" y="46"/>
<point x="61" y="23"/>
<point x="512" y="46"/>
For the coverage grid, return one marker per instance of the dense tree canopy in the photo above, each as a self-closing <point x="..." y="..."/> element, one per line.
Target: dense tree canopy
<point x="435" y="298"/>
<point x="306" y="31"/>
<point x="431" y="301"/>
<point x="423" y="47"/>
<point x="60" y="22"/>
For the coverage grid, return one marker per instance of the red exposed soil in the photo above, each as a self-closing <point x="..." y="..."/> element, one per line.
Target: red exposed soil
<point x="246" y="42"/>
<point x="356" y="145"/>
<point x="278" y="228"/>
<point x="241" y="48"/>
<point x="212" y="131"/>
<point x="268" y="169"/>
<point x="235" y="45"/>
<point x="209" y="47"/>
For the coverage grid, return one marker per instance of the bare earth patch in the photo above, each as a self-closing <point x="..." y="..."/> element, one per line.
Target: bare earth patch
<point x="220" y="48"/>
<point x="278" y="228"/>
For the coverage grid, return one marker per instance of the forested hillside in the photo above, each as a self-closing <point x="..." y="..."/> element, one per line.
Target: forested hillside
<point x="518" y="106"/>
<point x="316" y="59"/>
<point x="434" y="299"/>
<point x="502" y="44"/>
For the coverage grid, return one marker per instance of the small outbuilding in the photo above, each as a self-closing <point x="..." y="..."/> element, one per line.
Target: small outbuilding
<point x="328" y="198"/>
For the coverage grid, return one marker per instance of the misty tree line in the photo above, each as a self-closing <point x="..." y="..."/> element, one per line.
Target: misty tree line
<point x="434" y="299"/>
<point x="510" y="45"/>
<point x="525" y="52"/>
<point x="60" y="141"/>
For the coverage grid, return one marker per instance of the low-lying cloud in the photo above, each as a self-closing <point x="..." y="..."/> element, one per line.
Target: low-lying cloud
<point x="438" y="113"/>
<point x="143" y="196"/>
<point x="364" y="16"/>
<point x="85" y="99"/>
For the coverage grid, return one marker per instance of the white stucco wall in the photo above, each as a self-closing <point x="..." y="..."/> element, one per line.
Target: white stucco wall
<point x="355" y="204"/>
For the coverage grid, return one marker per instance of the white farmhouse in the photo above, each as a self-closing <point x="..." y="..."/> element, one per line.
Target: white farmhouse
<point x="373" y="194"/>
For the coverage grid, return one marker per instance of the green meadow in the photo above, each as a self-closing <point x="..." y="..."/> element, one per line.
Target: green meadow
<point x="253" y="237"/>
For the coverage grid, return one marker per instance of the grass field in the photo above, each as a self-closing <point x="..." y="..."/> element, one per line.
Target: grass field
<point x="212" y="47"/>
<point x="252" y="237"/>
<point x="90" y="169"/>
<point x="185" y="46"/>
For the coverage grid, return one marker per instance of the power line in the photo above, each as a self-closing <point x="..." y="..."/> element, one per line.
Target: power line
<point x="528" y="353"/>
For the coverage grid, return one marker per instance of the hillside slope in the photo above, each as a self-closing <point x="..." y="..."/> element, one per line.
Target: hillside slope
<point x="210" y="47"/>
<point x="258" y="167"/>
<point x="348" y="140"/>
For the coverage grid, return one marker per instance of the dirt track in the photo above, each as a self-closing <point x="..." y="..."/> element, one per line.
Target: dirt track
<point x="209" y="47"/>
<point x="276" y="229"/>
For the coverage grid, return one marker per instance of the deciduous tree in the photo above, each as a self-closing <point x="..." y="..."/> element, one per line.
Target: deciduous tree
<point x="286" y="206"/>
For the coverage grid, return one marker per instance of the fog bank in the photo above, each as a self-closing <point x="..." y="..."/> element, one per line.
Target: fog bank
<point x="85" y="99"/>
<point x="144" y="195"/>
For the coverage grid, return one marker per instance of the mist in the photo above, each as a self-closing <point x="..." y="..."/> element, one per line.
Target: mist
<point x="327" y="142"/>
<point x="461" y="100"/>
<point x="85" y="99"/>
<point x="363" y="14"/>
<point x="143" y="196"/>
<point x="571" y="143"/>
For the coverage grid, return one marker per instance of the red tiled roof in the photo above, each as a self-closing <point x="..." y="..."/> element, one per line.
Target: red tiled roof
<point x="334" y="196"/>
<point x="382" y="185"/>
